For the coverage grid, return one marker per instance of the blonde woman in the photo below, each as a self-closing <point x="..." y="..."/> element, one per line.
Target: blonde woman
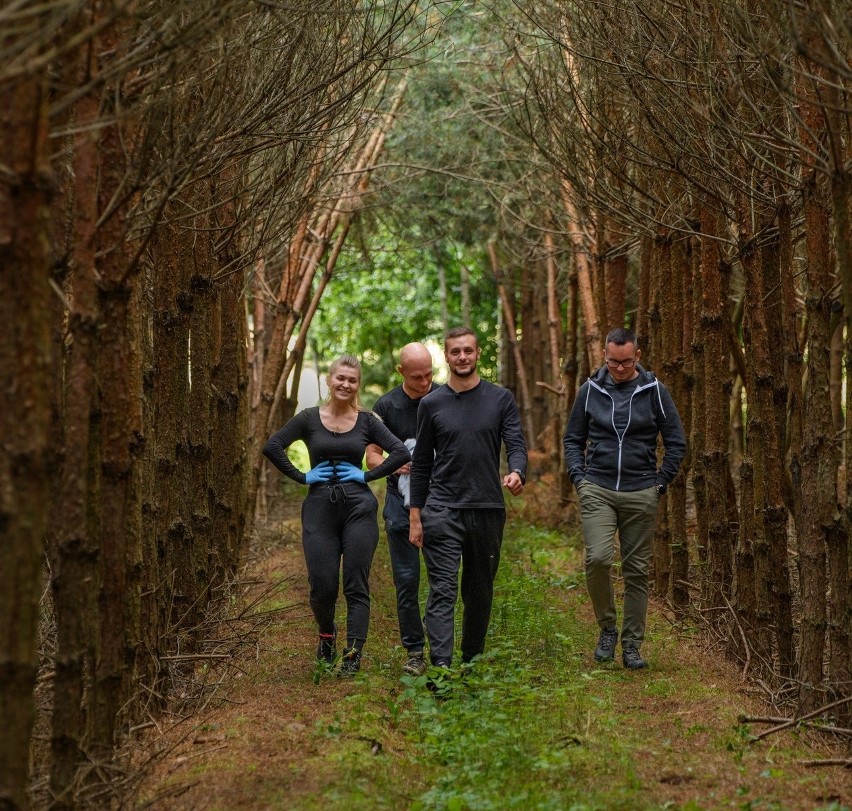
<point x="339" y="513"/>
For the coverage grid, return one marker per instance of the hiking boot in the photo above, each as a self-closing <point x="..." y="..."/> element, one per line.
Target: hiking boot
<point x="350" y="662"/>
<point x="631" y="659"/>
<point x="327" y="648"/>
<point x="415" y="666"/>
<point x="605" y="651"/>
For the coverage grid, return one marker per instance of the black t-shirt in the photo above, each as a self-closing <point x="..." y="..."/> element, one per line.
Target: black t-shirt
<point x="399" y="412"/>
<point x="335" y="447"/>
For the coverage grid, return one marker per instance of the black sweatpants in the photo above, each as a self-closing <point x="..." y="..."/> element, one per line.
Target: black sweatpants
<point x="340" y="522"/>
<point x="472" y="538"/>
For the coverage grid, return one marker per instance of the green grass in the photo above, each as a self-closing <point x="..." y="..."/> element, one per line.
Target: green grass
<point x="534" y="724"/>
<point x="522" y="728"/>
<point x="518" y="729"/>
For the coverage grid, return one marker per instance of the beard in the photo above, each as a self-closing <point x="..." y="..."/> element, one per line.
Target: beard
<point x="464" y="372"/>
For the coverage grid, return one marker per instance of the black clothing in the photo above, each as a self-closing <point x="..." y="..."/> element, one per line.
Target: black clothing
<point x="399" y="411"/>
<point x="331" y="532"/>
<point x="472" y="536"/>
<point x="457" y="457"/>
<point x="606" y="449"/>
<point x="338" y="519"/>
<point x="325" y="445"/>
<point x="455" y="479"/>
<point x="405" y="565"/>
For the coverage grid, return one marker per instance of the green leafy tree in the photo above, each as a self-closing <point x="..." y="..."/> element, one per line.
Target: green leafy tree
<point x="417" y="262"/>
<point x="384" y="295"/>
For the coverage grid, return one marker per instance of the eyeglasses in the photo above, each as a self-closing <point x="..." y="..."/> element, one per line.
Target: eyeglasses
<point x="624" y="364"/>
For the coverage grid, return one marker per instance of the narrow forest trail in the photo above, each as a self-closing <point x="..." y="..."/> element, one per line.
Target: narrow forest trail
<point x="546" y="727"/>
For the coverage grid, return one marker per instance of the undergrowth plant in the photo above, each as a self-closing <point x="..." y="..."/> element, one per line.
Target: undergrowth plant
<point x="536" y="724"/>
<point x="513" y="729"/>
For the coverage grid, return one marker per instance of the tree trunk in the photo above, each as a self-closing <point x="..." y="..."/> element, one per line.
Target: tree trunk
<point x="25" y="241"/>
<point x="645" y="253"/>
<point x="615" y="269"/>
<point x="819" y="456"/>
<point x="120" y="408"/>
<point x="74" y="553"/>
<point x="840" y="551"/>
<point x="698" y="433"/>
<point x="778" y="493"/>
<point x="819" y="527"/>
<point x="570" y="370"/>
<point x="674" y="333"/>
<point x="756" y="608"/>
<point x="554" y="342"/>
<point x="718" y="572"/>
<point x="199" y="433"/>
<point x="591" y="321"/>
<point x="172" y="252"/>
<point x="230" y="423"/>
<point x="661" y="274"/>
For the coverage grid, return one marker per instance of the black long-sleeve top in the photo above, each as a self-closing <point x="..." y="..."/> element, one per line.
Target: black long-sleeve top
<point x="457" y="457"/>
<point x="325" y="445"/>
<point x="399" y="412"/>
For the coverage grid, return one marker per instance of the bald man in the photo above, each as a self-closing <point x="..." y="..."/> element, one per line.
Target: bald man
<point x="398" y="409"/>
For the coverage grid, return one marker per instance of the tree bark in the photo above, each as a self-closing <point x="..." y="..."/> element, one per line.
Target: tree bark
<point x="74" y="553"/>
<point x="676" y="335"/>
<point x="172" y="257"/>
<point x="719" y="545"/>
<point x="820" y="529"/>
<point x="661" y="273"/>
<point x="778" y="493"/>
<point x="204" y="544"/>
<point x="120" y="409"/>
<point x="591" y="321"/>
<point x="752" y="592"/>
<point x="25" y="246"/>
<point x="698" y="432"/>
<point x="509" y="320"/>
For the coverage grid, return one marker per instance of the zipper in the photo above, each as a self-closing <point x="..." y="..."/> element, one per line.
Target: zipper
<point x="620" y="437"/>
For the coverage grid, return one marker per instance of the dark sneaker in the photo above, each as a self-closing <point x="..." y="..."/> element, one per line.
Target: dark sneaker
<point x="631" y="659"/>
<point x="350" y="662"/>
<point x="415" y="666"/>
<point x="327" y="648"/>
<point x="605" y="651"/>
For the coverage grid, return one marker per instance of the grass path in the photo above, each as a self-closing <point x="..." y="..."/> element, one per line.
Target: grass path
<point x="534" y="725"/>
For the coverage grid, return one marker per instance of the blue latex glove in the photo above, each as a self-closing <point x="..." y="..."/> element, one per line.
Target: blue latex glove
<point x="321" y="473"/>
<point x="347" y="472"/>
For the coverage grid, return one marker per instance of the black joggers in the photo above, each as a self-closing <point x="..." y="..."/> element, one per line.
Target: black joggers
<point x="340" y="522"/>
<point x="451" y="537"/>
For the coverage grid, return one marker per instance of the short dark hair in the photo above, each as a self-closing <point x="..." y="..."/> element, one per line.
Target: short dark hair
<point x="458" y="332"/>
<point x="620" y="336"/>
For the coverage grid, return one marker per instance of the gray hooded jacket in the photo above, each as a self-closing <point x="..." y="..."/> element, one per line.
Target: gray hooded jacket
<point x="623" y="458"/>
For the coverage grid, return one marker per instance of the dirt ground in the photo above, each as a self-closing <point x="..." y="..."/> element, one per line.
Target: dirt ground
<point x="260" y="739"/>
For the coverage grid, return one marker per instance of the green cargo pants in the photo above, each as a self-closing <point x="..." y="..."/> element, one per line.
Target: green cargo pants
<point x="633" y="515"/>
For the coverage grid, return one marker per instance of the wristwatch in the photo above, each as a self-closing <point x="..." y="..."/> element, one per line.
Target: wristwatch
<point x="521" y="476"/>
<point x="661" y="489"/>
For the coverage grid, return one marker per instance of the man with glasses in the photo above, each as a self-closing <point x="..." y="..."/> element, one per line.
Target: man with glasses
<point x="611" y="456"/>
